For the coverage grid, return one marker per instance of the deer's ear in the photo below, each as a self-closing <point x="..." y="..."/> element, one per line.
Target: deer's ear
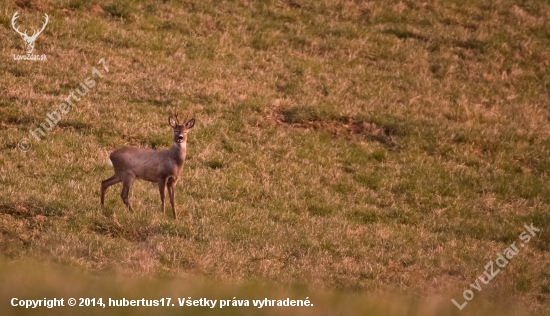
<point x="172" y="122"/>
<point x="190" y="124"/>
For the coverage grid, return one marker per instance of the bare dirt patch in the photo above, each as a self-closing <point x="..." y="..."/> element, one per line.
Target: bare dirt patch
<point x="342" y="127"/>
<point x="30" y="209"/>
<point x="23" y="222"/>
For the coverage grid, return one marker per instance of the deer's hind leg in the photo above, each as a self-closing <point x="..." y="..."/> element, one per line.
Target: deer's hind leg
<point x="126" y="185"/>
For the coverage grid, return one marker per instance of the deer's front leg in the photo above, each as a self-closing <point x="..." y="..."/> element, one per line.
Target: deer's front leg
<point x="171" y="194"/>
<point x="162" y="187"/>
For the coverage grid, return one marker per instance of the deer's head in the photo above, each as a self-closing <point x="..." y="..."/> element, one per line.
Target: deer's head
<point x="29" y="40"/>
<point x="180" y="130"/>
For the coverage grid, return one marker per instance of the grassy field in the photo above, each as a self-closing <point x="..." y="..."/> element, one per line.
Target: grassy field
<point x="359" y="148"/>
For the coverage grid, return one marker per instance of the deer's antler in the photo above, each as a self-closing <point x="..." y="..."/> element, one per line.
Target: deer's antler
<point x="36" y="33"/>
<point x="15" y="16"/>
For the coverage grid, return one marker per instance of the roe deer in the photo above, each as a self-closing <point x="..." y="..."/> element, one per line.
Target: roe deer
<point x="163" y="167"/>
